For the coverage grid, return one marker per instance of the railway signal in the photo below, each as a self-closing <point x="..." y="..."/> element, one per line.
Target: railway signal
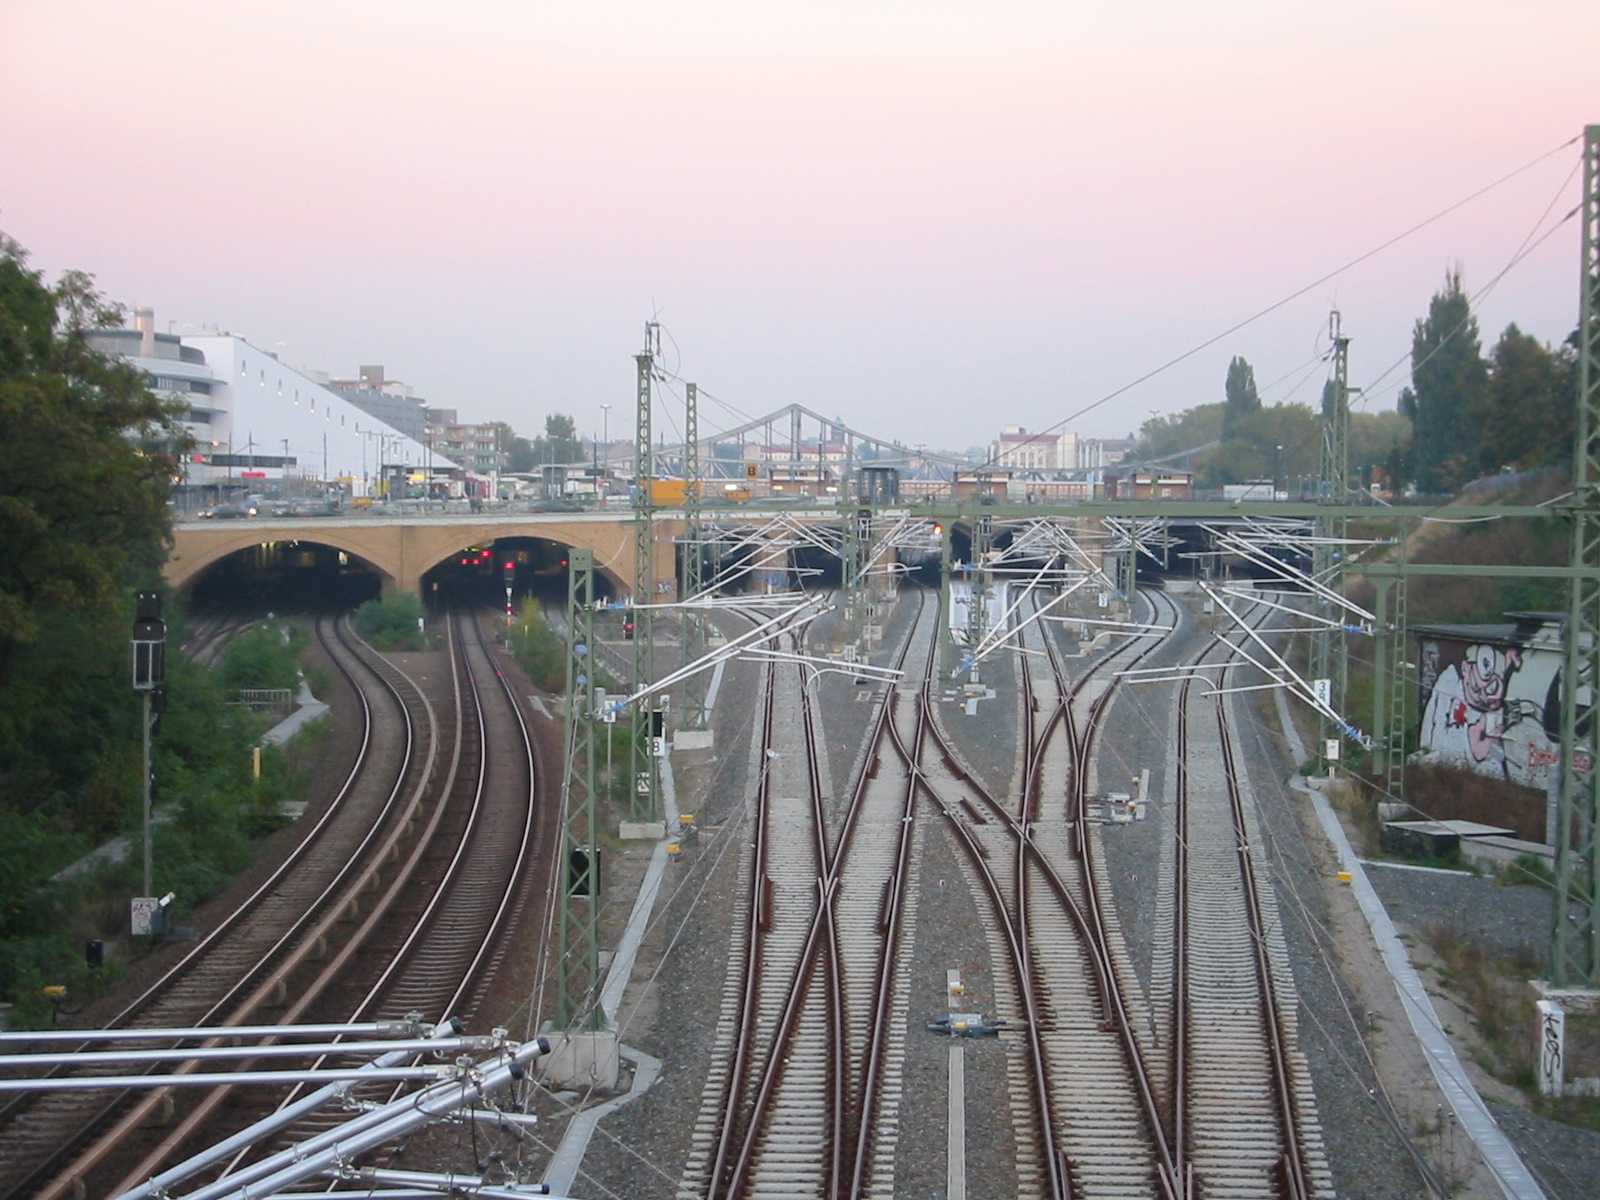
<point x="149" y="649"/>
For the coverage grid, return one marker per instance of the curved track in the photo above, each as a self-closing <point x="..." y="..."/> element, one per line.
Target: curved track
<point x="416" y="885"/>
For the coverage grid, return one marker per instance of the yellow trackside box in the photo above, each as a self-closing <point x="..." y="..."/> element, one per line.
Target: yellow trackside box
<point x="667" y="492"/>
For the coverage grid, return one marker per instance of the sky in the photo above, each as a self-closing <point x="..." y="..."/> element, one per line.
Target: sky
<point x="930" y="219"/>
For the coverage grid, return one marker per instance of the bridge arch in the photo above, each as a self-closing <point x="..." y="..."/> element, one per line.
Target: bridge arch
<point x="402" y="547"/>
<point x="192" y="556"/>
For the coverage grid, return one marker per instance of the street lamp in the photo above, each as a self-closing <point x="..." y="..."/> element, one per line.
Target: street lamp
<point x="1277" y="459"/>
<point x="605" y="436"/>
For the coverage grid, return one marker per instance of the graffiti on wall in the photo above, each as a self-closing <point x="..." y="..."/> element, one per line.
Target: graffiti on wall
<point x="1492" y="706"/>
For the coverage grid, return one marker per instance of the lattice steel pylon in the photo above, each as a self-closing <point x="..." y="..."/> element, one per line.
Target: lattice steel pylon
<point x="855" y="537"/>
<point x="1575" y="936"/>
<point x="978" y="596"/>
<point x="644" y="789"/>
<point x="692" y="563"/>
<point x="1391" y="681"/>
<point x="1328" y="650"/>
<point x="578" y="963"/>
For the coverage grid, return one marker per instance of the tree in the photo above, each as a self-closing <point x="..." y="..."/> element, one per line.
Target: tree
<point x="520" y="456"/>
<point x="1529" y="409"/>
<point x="1165" y="436"/>
<point x="1446" y="399"/>
<point x="560" y="442"/>
<point x="1242" y="398"/>
<point x="87" y="502"/>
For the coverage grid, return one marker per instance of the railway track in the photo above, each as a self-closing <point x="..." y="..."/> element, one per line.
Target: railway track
<point x="819" y="946"/>
<point x="1083" y="1096"/>
<point x="1242" y="1086"/>
<point x="454" y="907"/>
<point x="242" y="965"/>
<point x="1100" y="1107"/>
<point x="369" y="879"/>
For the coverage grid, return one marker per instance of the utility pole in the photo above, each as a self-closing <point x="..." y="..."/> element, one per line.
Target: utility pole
<point x="1328" y="651"/>
<point x="578" y="964"/>
<point x="642" y="805"/>
<point x="693" y="566"/>
<point x="1575" y="937"/>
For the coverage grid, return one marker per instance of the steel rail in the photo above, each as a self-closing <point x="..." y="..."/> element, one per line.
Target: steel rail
<point x="223" y="945"/>
<point x="730" y="1126"/>
<point x="1294" y="1177"/>
<point x="1057" y="1168"/>
<point x="848" y="1110"/>
<point x="420" y="953"/>
<point x="891" y="921"/>
<point x="361" y="873"/>
<point x="1085" y="915"/>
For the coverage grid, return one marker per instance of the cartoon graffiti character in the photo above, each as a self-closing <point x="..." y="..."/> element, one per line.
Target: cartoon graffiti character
<point x="1466" y="717"/>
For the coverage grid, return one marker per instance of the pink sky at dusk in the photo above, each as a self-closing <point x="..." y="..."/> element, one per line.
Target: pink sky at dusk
<point x="932" y="219"/>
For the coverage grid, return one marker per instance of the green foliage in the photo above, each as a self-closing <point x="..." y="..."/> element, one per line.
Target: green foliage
<point x="1280" y="442"/>
<point x="537" y="649"/>
<point x="85" y="524"/>
<point x="560" y="443"/>
<point x="1375" y="439"/>
<point x="1241" y="397"/>
<point x="263" y="657"/>
<point x="520" y="456"/>
<point x="209" y="809"/>
<point x="98" y="447"/>
<point x="393" y="622"/>
<point x="1529" y="409"/>
<point x="1448" y="394"/>
<point x="1163" y="437"/>
<point x="1529" y="869"/>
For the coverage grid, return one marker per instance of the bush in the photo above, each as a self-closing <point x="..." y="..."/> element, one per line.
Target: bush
<point x="210" y="809"/>
<point x="538" y="650"/>
<point x="393" y="622"/>
<point x="264" y="657"/>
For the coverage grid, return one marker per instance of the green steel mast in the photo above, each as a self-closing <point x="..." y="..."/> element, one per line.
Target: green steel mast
<point x="578" y="964"/>
<point x="692" y="562"/>
<point x="1328" y="650"/>
<point x="642" y="798"/>
<point x="1575" y="937"/>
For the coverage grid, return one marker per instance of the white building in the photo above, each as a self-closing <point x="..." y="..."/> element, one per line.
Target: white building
<point x="1020" y="450"/>
<point x="257" y="423"/>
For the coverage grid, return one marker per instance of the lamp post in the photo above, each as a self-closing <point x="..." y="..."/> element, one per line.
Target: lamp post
<point x="149" y="646"/>
<point x="1277" y="460"/>
<point x="605" y="436"/>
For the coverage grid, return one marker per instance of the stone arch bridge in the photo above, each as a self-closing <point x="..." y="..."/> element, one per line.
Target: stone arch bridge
<point x="402" y="547"/>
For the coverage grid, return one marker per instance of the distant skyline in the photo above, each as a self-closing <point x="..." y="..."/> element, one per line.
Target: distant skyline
<point x="932" y="219"/>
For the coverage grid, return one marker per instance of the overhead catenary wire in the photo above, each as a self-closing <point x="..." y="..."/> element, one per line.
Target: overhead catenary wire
<point x="1299" y="292"/>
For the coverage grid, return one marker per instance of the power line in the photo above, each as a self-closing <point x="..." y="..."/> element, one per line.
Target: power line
<point x="1295" y="295"/>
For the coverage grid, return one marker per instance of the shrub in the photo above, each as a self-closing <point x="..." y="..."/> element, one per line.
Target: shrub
<point x="538" y="650"/>
<point x="263" y="657"/>
<point x="393" y="622"/>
